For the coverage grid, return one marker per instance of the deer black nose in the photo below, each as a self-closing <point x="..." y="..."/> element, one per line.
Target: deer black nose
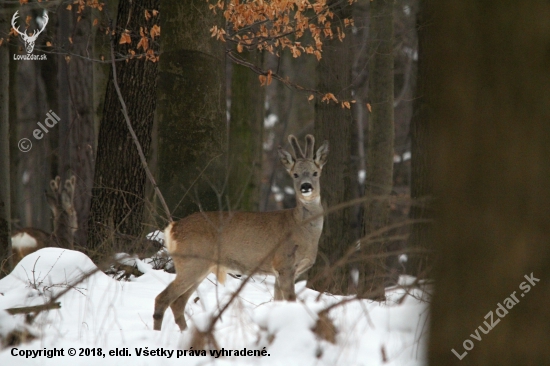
<point x="306" y="188"/>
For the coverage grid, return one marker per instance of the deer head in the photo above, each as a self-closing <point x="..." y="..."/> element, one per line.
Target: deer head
<point x="29" y="40"/>
<point x="305" y="168"/>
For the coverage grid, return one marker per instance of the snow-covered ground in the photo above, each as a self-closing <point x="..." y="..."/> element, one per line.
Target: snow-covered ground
<point x="102" y="315"/>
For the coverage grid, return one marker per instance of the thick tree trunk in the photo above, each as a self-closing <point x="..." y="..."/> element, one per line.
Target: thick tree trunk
<point x="65" y="112"/>
<point x="379" y="180"/>
<point x="334" y="123"/>
<point x="33" y="175"/>
<point x="81" y="133"/>
<point x="5" y="204"/>
<point x="489" y="89"/>
<point x="102" y="71"/>
<point x="419" y="263"/>
<point x="119" y="181"/>
<point x="246" y="135"/>
<point x="191" y="108"/>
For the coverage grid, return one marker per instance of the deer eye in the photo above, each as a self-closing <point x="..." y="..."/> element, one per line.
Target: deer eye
<point x="315" y="174"/>
<point x="295" y="175"/>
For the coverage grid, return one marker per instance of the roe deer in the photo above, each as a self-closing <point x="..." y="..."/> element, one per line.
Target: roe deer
<point x="61" y="202"/>
<point x="279" y="243"/>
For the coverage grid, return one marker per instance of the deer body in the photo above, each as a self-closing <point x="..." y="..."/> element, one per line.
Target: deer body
<point x="60" y="200"/>
<point x="279" y="243"/>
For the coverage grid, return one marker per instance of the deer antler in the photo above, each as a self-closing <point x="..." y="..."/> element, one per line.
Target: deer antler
<point x="15" y="16"/>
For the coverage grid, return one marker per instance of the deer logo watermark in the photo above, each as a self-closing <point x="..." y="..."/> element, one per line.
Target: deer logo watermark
<point x="29" y="40"/>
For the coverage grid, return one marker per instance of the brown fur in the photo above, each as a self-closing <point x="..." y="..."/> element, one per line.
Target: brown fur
<point x="279" y="243"/>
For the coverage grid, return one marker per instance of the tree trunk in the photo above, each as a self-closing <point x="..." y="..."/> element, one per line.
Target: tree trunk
<point x="379" y="180"/>
<point x="488" y="89"/>
<point x="33" y="175"/>
<point x="192" y="124"/>
<point x="334" y="123"/>
<point x="119" y="181"/>
<point x="5" y="204"/>
<point x="419" y="262"/>
<point x="246" y="135"/>
<point x="102" y="71"/>
<point x="81" y="134"/>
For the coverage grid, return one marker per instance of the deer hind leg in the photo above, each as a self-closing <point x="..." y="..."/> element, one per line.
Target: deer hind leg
<point x="178" y="307"/>
<point x="189" y="275"/>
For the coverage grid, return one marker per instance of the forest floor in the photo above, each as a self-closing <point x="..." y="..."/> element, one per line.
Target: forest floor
<point x="110" y="322"/>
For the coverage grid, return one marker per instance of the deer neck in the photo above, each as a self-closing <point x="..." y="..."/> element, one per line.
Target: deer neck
<point x="310" y="211"/>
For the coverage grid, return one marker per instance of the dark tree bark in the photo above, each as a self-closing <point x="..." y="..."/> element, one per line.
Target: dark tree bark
<point x="419" y="262"/>
<point x="119" y="181"/>
<point x="102" y="71"/>
<point x="5" y="204"/>
<point x="191" y="108"/>
<point x="488" y="88"/>
<point x="295" y="115"/>
<point x="82" y="132"/>
<point x="246" y="135"/>
<point x="379" y="180"/>
<point x="334" y="123"/>
<point x="32" y="167"/>
<point x="75" y="109"/>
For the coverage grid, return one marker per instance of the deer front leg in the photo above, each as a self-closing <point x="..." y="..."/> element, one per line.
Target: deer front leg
<point x="284" y="284"/>
<point x="278" y="294"/>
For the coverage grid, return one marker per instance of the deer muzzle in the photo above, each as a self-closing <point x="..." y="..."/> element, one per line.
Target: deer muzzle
<point x="306" y="189"/>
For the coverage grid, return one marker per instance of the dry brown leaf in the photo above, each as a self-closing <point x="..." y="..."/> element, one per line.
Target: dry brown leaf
<point x="262" y="79"/>
<point x="143" y="43"/>
<point x="369" y="107"/>
<point x="125" y="37"/>
<point x="71" y="40"/>
<point x="155" y="13"/>
<point x="69" y="7"/>
<point x="147" y="14"/>
<point x="155" y="31"/>
<point x="310" y="97"/>
<point x="95" y="21"/>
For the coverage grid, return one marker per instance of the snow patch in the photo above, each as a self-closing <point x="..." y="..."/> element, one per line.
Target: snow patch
<point x="102" y="312"/>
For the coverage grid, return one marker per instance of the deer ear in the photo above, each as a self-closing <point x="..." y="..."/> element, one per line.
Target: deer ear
<point x="287" y="159"/>
<point x="321" y="155"/>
